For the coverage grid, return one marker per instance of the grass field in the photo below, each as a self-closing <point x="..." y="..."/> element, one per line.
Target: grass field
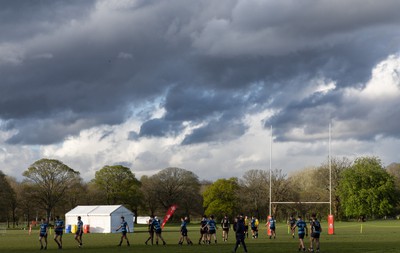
<point x="349" y="237"/>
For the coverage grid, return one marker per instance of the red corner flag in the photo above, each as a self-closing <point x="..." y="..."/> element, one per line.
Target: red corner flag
<point x="168" y="215"/>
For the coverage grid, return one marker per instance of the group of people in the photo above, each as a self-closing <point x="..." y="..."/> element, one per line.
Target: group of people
<point x="302" y="230"/>
<point x="241" y="229"/>
<point x="58" y="232"/>
<point x="208" y="227"/>
<point x="154" y="227"/>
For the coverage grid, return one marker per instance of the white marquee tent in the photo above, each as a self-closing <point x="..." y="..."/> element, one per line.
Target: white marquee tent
<point x="101" y="219"/>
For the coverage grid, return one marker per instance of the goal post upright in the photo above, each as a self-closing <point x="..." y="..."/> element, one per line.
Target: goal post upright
<point x="270" y="174"/>
<point x="330" y="171"/>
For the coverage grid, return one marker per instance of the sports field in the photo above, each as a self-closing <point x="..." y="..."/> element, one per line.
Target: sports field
<point x="376" y="236"/>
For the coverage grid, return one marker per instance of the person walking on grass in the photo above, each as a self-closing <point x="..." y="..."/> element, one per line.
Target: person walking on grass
<point x="150" y="230"/>
<point x="58" y="230"/>
<point x="43" y="232"/>
<point x="271" y="225"/>
<point x="79" y="232"/>
<point x="246" y="226"/>
<point x="240" y="233"/>
<point x="184" y="232"/>
<point x="226" y="225"/>
<point x="291" y="223"/>
<point x="212" y="229"/>
<point x="315" y="230"/>
<point x="203" y="230"/>
<point x="254" y="227"/>
<point x="302" y="231"/>
<point x="158" y="230"/>
<point x="124" y="229"/>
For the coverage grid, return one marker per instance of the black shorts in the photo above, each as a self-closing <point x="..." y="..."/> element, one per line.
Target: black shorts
<point x="246" y="228"/>
<point x="158" y="231"/>
<point x="79" y="233"/>
<point x="43" y="235"/>
<point x="315" y="235"/>
<point x="184" y="232"/>
<point x="301" y="236"/>
<point x="225" y="229"/>
<point x="58" y="232"/>
<point x="211" y="232"/>
<point x="254" y="229"/>
<point x="272" y="229"/>
<point x="123" y="233"/>
<point x="203" y="231"/>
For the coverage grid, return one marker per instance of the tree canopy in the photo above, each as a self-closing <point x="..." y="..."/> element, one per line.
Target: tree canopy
<point x="221" y="198"/>
<point x="366" y="188"/>
<point x="50" y="180"/>
<point x="119" y="185"/>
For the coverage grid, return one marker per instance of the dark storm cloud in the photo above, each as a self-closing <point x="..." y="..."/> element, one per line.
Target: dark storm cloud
<point x="160" y="128"/>
<point x="313" y="113"/>
<point x="214" y="61"/>
<point x="215" y="131"/>
<point x="21" y="19"/>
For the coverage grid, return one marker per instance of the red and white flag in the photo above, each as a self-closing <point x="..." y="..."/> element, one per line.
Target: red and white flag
<point x="168" y="215"/>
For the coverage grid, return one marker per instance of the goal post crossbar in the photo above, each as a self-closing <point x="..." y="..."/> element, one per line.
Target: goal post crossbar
<point x="299" y="202"/>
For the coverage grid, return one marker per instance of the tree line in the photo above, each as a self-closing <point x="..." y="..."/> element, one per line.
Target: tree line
<point x="360" y="188"/>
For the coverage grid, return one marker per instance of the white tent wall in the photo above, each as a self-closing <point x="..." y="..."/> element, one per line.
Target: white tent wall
<point x="99" y="224"/>
<point x="101" y="219"/>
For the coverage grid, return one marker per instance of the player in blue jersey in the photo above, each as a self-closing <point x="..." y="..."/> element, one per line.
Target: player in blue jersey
<point x="43" y="231"/>
<point x="315" y="231"/>
<point x="184" y="232"/>
<point x="158" y="230"/>
<point x="124" y="229"/>
<point x="203" y="230"/>
<point x="212" y="229"/>
<point x="271" y="224"/>
<point x="240" y="233"/>
<point x="79" y="231"/>
<point x="302" y="231"/>
<point x="58" y="231"/>
<point x="254" y="227"/>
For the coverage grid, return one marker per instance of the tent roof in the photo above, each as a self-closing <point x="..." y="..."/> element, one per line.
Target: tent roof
<point x="97" y="210"/>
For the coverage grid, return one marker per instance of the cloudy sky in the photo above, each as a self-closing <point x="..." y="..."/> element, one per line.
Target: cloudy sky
<point x="197" y="84"/>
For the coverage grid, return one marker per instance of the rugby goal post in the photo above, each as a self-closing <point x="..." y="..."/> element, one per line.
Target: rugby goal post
<point x="330" y="216"/>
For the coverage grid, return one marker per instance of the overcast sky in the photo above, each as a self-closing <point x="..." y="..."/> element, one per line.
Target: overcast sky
<point x="197" y="84"/>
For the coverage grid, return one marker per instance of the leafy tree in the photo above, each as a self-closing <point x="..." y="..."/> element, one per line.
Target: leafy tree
<point x="320" y="181"/>
<point x="119" y="185"/>
<point x="174" y="186"/>
<point x="394" y="170"/>
<point x="50" y="180"/>
<point x="366" y="188"/>
<point x="7" y="197"/>
<point x="222" y="198"/>
<point x="13" y="199"/>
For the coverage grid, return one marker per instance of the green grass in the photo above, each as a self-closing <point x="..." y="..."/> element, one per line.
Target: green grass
<point x="377" y="236"/>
